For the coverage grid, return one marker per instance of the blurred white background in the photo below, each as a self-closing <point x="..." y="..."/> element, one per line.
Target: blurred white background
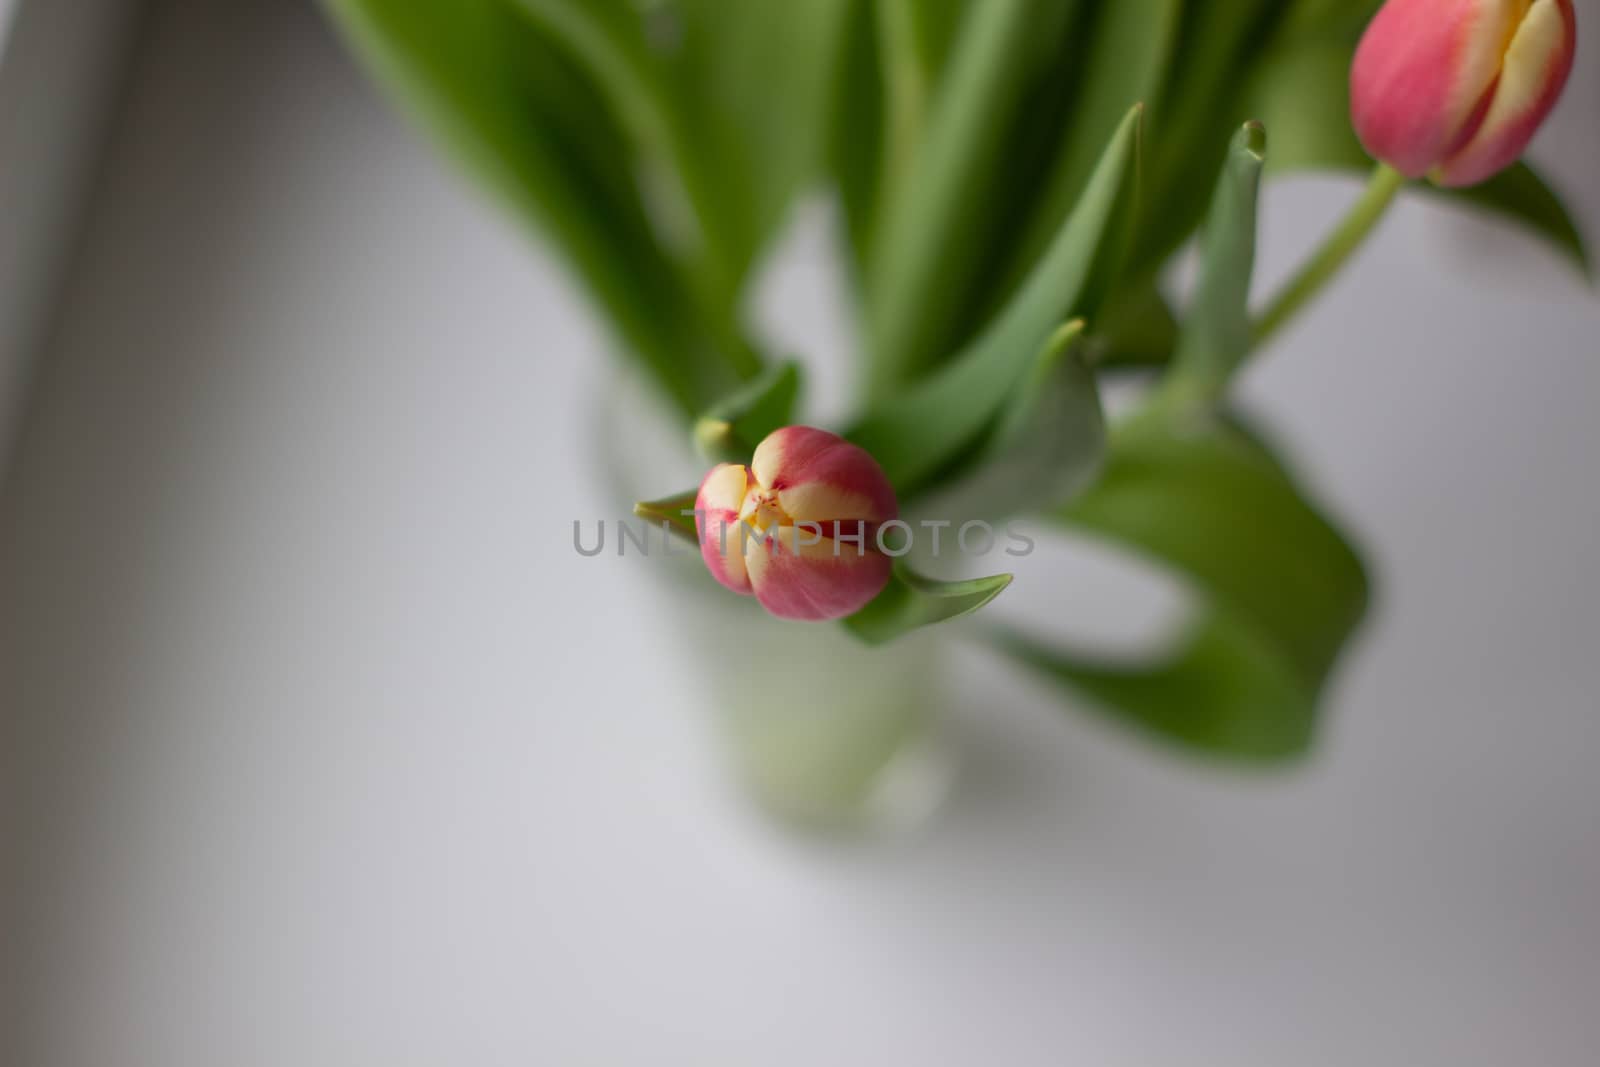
<point x="331" y="752"/>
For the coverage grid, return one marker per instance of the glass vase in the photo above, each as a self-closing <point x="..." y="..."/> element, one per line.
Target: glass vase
<point x="822" y="731"/>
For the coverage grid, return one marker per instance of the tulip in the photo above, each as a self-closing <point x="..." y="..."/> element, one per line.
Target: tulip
<point x="1455" y="89"/>
<point x="797" y="528"/>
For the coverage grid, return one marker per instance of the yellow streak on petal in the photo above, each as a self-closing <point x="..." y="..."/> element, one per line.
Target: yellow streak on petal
<point x="1524" y="76"/>
<point x="819" y="502"/>
<point x="1488" y="33"/>
<point x="735" y="560"/>
<point x="724" y="488"/>
<point x="1539" y="41"/>
<point x="768" y="459"/>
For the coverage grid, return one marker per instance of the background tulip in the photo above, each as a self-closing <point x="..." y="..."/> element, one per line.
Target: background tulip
<point x="1455" y="89"/>
<point x="784" y="529"/>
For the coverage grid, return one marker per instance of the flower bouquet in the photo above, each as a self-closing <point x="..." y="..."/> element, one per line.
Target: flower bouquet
<point x="1015" y="180"/>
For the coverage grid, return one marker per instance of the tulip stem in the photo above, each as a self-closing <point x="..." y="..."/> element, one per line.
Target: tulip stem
<point x="1341" y="244"/>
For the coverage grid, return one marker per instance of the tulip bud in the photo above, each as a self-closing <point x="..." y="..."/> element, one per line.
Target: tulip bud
<point x="1455" y="89"/>
<point x="797" y="528"/>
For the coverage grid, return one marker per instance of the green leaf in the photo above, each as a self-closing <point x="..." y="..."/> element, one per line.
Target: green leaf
<point x="1047" y="448"/>
<point x="1280" y="591"/>
<point x="676" y="512"/>
<point x="697" y="202"/>
<point x="911" y="601"/>
<point x="528" y="123"/>
<point x="931" y="29"/>
<point x="607" y="40"/>
<point x="1301" y="93"/>
<point x="857" y="135"/>
<point x="879" y="108"/>
<point x="1136" y="327"/>
<point x="908" y="75"/>
<point x="934" y="222"/>
<point x="731" y="429"/>
<point x="1344" y="19"/>
<point x="1129" y="46"/>
<point x="754" y="79"/>
<point x="1216" y="334"/>
<point x="924" y="429"/>
<point x="1202" y="104"/>
<point x="736" y="104"/>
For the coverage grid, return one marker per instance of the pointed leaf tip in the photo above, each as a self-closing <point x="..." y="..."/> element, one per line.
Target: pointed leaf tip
<point x="912" y="601"/>
<point x="676" y="511"/>
<point x="918" y="432"/>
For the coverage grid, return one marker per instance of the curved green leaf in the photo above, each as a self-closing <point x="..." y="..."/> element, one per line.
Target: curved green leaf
<point x="737" y="104"/>
<point x="697" y="202"/>
<point x="908" y="78"/>
<point x="607" y="38"/>
<point x="730" y="431"/>
<point x="1280" y="591"/>
<point x="514" y="109"/>
<point x="1128" y="49"/>
<point x="1136" y="327"/>
<point x="931" y="221"/>
<point x="755" y="79"/>
<point x="924" y="429"/>
<point x="856" y="136"/>
<point x="912" y="601"/>
<point x="1048" y="446"/>
<point x="1202" y="104"/>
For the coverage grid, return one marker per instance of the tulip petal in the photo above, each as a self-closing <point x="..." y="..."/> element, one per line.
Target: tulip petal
<point x="821" y="477"/>
<point x="1421" y="75"/>
<point x="823" y="579"/>
<point x="724" y="488"/>
<point x="1535" y="71"/>
<point x="717" y="523"/>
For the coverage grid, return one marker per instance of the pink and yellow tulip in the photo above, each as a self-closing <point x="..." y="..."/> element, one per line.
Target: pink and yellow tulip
<point x="1455" y="89"/>
<point x="797" y="528"/>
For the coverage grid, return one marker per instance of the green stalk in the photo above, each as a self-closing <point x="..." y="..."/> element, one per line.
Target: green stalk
<point x="905" y="90"/>
<point x="923" y="252"/>
<point x="1336" y="250"/>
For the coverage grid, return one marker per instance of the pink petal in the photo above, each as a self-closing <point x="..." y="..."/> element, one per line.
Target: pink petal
<point x="1421" y="76"/>
<point x="821" y="477"/>
<point x="825" y="580"/>
<point x="717" y="523"/>
<point x="1535" y="71"/>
